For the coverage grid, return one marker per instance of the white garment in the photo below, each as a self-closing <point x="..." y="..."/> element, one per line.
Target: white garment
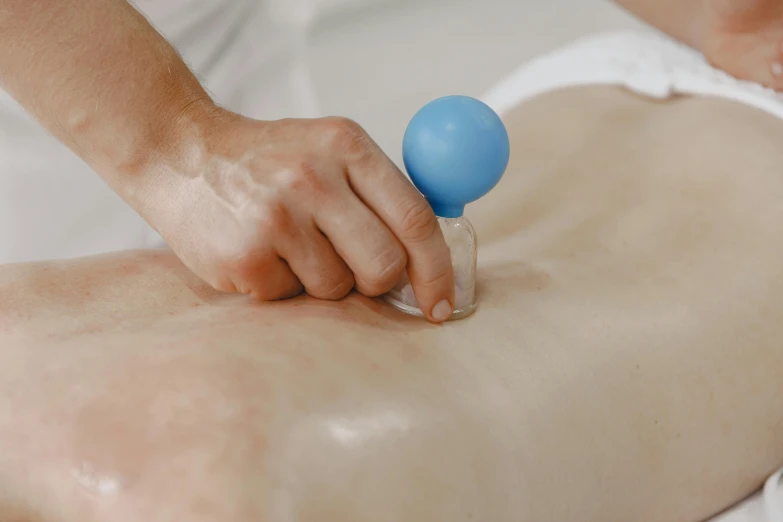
<point x="649" y="63"/>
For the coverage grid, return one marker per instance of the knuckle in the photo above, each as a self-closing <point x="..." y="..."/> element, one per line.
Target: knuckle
<point x="253" y="274"/>
<point x="385" y="270"/>
<point x="238" y="265"/>
<point x="418" y="223"/>
<point x="241" y="265"/>
<point x="347" y="136"/>
<point x="303" y="178"/>
<point x="333" y="288"/>
<point x="223" y="284"/>
<point x="264" y="293"/>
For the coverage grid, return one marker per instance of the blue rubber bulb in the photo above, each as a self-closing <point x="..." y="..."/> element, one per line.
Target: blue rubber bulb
<point x="455" y="150"/>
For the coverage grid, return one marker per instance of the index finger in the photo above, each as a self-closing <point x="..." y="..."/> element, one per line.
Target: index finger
<point x="394" y="199"/>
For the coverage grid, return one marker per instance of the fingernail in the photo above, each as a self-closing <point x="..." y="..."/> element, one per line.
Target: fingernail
<point x="441" y="311"/>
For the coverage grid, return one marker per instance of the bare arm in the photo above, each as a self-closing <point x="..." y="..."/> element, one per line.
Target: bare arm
<point x="100" y="78"/>
<point x="327" y="212"/>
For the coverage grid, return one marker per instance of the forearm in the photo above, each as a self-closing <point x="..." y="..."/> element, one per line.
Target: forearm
<point x="99" y="77"/>
<point x="681" y="19"/>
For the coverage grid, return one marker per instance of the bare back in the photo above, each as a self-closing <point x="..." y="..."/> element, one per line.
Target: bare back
<point x="624" y="362"/>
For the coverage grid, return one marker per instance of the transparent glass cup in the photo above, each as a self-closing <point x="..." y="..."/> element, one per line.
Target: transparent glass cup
<point x="462" y="241"/>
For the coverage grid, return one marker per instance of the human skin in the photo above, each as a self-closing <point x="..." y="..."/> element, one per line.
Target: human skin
<point x="742" y="37"/>
<point x="274" y="208"/>
<point x="269" y="208"/>
<point x="624" y="362"/>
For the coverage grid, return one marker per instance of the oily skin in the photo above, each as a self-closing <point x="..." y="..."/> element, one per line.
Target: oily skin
<point x="624" y="362"/>
<point x="267" y="208"/>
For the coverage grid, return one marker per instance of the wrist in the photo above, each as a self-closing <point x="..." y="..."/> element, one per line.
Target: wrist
<point x="146" y="123"/>
<point x="170" y="151"/>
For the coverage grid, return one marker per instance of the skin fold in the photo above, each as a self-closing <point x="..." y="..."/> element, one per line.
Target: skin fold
<point x="624" y="362"/>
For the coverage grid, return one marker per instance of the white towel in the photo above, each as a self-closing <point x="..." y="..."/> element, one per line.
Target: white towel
<point x="649" y="63"/>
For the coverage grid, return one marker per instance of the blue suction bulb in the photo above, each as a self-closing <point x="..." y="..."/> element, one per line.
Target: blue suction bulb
<point x="455" y="150"/>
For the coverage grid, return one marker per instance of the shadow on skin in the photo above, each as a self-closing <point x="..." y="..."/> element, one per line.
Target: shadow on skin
<point x="497" y="284"/>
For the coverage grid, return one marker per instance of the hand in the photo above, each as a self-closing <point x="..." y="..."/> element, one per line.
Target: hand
<point x="745" y="39"/>
<point x="272" y="208"/>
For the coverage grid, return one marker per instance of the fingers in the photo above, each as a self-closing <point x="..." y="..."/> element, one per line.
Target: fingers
<point x="266" y="277"/>
<point x="315" y="262"/>
<point x="337" y="213"/>
<point x="369" y="248"/>
<point x="386" y="191"/>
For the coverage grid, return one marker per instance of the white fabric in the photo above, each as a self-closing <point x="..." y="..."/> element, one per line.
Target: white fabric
<point x="649" y="63"/>
<point x="654" y="65"/>
<point x="750" y="510"/>
<point x="773" y="503"/>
